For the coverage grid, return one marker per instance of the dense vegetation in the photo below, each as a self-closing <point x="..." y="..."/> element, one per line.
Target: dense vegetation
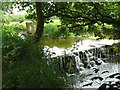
<point x="26" y="66"/>
<point x="76" y="17"/>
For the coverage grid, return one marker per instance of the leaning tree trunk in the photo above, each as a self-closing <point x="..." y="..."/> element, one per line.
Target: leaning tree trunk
<point x="40" y="21"/>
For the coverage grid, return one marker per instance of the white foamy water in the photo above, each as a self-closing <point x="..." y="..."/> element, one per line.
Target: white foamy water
<point x="112" y="68"/>
<point x="87" y="44"/>
<point x="104" y="70"/>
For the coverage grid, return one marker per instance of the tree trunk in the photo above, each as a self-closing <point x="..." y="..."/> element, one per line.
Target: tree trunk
<point x="40" y="21"/>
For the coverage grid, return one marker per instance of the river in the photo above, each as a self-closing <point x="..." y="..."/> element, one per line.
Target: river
<point x="95" y="76"/>
<point x="83" y="80"/>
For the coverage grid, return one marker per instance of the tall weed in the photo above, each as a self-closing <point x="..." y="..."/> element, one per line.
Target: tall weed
<point x="26" y="66"/>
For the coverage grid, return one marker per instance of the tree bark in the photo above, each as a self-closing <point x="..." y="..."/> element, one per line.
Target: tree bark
<point x="40" y="21"/>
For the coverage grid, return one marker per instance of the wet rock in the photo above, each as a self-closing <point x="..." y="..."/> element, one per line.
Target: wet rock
<point x="99" y="61"/>
<point x="117" y="83"/>
<point x="96" y="70"/>
<point x="108" y="87"/>
<point x="89" y="66"/>
<point x="92" y="63"/>
<point x="105" y="72"/>
<point x="94" y="78"/>
<point x="103" y="87"/>
<point x="89" y="84"/>
<point x="89" y="74"/>
<point x="112" y="76"/>
<point x="118" y="77"/>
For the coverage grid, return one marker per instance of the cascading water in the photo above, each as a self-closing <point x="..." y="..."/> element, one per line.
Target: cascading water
<point x="80" y="58"/>
<point x="79" y="64"/>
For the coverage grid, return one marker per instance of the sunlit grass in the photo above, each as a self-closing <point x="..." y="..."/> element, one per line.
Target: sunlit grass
<point x="55" y="22"/>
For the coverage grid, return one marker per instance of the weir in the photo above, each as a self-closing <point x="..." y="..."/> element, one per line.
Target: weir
<point x="78" y="57"/>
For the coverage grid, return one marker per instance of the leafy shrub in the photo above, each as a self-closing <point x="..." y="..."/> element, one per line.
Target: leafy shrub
<point x="26" y="66"/>
<point x="50" y="28"/>
<point x="116" y="48"/>
<point x="13" y="29"/>
<point x="33" y="74"/>
<point x="11" y="18"/>
<point x="17" y="18"/>
<point x="63" y="32"/>
<point x="3" y="18"/>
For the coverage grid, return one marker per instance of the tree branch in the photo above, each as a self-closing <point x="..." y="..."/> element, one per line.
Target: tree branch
<point x="79" y="25"/>
<point x="104" y="16"/>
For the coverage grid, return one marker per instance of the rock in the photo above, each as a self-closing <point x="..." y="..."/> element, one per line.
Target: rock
<point x="103" y="87"/>
<point x="105" y="72"/>
<point x="112" y="76"/>
<point x="118" y="77"/>
<point x="100" y="78"/>
<point x="99" y="61"/>
<point x="96" y="70"/>
<point x="89" y="84"/>
<point x="89" y="74"/>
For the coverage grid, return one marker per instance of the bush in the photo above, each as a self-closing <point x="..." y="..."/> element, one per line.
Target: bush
<point x="50" y="28"/>
<point x="33" y="74"/>
<point x="3" y="18"/>
<point x="17" y="18"/>
<point x="11" y="18"/>
<point x="26" y="66"/>
<point x="13" y="29"/>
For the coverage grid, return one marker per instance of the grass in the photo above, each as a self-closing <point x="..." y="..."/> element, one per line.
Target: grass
<point x="55" y="22"/>
<point x="29" y="68"/>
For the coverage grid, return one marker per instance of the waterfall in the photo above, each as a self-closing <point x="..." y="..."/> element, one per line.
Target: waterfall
<point x="79" y="64"/>
<point x="79" y="56"/>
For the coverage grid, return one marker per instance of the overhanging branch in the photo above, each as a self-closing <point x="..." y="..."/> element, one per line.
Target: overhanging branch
<point x="79" y="25"/>
<point x="103" y="16"/>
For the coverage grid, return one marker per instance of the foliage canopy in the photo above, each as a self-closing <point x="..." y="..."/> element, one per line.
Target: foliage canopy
<point x="76" y="16"/>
